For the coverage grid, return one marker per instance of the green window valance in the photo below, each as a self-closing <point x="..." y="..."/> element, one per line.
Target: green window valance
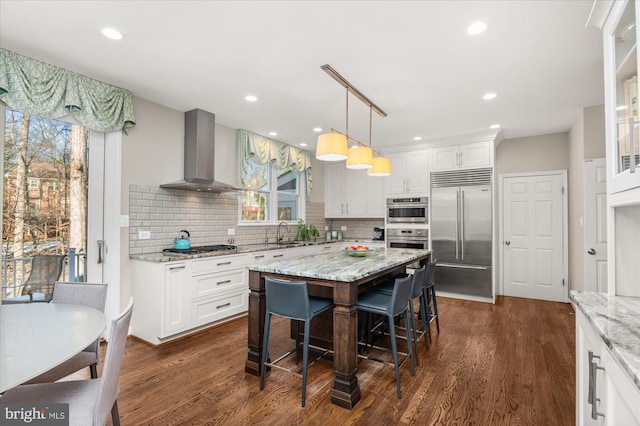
<point x="36" y="88"/>
<point x="259" y="149"/>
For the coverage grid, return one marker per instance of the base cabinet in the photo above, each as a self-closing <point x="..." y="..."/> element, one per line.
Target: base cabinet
<point x="605" y="395"/>
<point x="176" y="298"/>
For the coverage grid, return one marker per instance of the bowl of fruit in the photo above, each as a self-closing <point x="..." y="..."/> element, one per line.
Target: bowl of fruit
<point x="358" y="251"/>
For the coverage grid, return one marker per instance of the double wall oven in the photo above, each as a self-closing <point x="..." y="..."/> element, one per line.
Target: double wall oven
<point x="407" y="222"/>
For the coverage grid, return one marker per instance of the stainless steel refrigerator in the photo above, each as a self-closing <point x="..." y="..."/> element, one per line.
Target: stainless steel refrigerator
<point x="461" y="231"/>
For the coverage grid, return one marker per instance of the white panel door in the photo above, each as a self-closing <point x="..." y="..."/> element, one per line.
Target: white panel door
<point x="417" y="171"/>
<point x="595" y="225"/>
<point x="444" y="158"/>
<point x="533" y="237"/>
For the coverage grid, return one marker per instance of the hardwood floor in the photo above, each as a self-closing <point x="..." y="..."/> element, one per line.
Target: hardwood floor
<point x="504" y="364"/>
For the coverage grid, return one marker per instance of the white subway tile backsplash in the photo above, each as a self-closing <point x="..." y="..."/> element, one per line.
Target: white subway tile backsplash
<point x="207" y="217"/>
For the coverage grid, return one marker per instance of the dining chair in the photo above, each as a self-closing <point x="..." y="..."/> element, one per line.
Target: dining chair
<point x="90" y="401"/>
<point x="38" y="287"/>
<point x="85" y="294"/>
<point x="290" y="299"/>
<point x="392" y="306"/>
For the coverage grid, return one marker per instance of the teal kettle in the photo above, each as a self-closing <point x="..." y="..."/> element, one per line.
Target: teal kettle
<point x="181" y="242"/>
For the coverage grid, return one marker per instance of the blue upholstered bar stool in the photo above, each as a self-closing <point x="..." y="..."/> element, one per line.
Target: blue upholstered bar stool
<point x="431" y="304"/>
<point x="417" y="285"/>
<point x="391" y="306"/>
<point x="290" y="299"/>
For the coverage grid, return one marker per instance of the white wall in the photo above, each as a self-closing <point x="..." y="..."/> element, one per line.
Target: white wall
<point x="533" y="154"/>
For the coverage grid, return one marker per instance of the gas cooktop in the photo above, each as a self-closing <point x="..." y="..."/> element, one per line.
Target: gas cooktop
<point x="203" y="249"/>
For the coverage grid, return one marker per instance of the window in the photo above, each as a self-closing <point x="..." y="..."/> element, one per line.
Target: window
<point x="33" y="183"/>
<point x="272" y="195"/>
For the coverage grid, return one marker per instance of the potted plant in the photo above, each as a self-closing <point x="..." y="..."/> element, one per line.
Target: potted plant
<point x="306" y="231"/>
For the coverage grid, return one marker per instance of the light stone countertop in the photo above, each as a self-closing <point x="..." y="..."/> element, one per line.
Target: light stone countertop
<point x="617" y="321"/>
<point x="338" y="266"/>
<point x="242" y="248"/>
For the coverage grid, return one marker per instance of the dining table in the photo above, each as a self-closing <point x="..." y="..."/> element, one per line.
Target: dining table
<point x="339" y="276"/>
<point x="35" y="337"/>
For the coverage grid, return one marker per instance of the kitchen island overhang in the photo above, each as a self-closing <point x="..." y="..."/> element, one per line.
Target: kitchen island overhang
<point x="340" y="277"/>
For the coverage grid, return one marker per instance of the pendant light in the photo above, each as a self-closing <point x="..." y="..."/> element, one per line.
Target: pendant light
<point x="361" y="157"/>
<point x="333" y="146"/>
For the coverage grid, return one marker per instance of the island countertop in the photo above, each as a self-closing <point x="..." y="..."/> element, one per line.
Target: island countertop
<point x="338" y="266"/>
<point x="617" y="321"/>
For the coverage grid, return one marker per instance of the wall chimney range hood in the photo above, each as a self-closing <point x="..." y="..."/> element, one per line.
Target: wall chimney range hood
<point x="199" y="154"/>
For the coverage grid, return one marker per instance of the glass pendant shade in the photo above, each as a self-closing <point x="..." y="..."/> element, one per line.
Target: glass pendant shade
<point x="332" y="147"/>
<point x="381" y="167"/>
<point x="360" y="157"/>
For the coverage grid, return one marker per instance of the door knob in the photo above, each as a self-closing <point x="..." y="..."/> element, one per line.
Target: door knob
<point x="591" y="251"/>
<point x="508" y="243"/>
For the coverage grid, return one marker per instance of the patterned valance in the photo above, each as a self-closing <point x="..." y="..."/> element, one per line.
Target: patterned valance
<point x="262" y="150"/>
<point x="40" y="89"/>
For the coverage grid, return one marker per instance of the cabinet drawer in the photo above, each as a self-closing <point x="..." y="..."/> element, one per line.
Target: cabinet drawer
<point x="215" y="308"/>
<point x="217" y="263"/>
<point x="210" y="284"/>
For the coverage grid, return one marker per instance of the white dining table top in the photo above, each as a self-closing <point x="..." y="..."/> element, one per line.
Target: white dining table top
<point x="35" y="337"/>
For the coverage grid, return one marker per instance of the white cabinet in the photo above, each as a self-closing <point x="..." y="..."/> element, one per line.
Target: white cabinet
<point x="604" y="393"/>
<point x="351" y="193"/>
<point x="409" y="173"/>
<point x="621" y="98"/>
<point x="176" y="298"/>
<point x="459" y="156"/>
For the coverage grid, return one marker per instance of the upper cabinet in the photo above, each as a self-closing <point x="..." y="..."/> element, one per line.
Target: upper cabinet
<point x="409" y="173"/>
<point x="621" y="102"/>
<point x="352" y="193"/>
<point x="462" y="156"/>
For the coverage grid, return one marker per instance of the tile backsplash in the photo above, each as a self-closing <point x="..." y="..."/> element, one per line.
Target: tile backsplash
<point x="207" y="216"/>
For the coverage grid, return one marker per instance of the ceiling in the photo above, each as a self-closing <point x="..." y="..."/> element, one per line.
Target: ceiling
<point x="413" y="59"/>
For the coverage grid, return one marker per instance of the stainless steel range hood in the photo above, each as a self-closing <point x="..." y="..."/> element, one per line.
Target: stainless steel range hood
<point x="199" y="154"/>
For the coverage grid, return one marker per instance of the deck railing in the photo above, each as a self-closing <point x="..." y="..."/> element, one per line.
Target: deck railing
<point x="15" y="271"/>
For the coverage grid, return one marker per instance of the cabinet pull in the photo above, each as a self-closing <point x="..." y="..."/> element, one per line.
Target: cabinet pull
<point x="277" y="255"/>
<point x="594" y="405"/>
<point x="225" y="305"/>
<point x="347" y="204"/>
<point x="591" y="392"/>
<point x="461" y="158"/>
<point x="224" y="263"/>
<point x="632" y="152"/>
<point x="176" y="267"/>
<point x="223" y="282"/>
<point x="258" y="257"/>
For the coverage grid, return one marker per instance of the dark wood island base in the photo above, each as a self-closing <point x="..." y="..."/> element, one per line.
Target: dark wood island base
<point x="346" y="390"/>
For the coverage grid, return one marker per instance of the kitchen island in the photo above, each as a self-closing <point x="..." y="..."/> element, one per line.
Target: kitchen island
<point x="340" y="277"/>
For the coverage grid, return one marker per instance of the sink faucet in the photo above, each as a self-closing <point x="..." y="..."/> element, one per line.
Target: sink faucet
<point x="279" y="237"/>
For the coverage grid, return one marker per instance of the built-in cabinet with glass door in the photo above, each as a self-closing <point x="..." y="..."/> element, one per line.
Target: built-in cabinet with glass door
<point x="606" y="392"/>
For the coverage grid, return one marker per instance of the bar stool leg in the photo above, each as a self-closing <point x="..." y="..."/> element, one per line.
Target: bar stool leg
<point x="409" y="348"/>
<point x="305" y="359"/>
<point x="414" y="335"/>
<point x="435" y="308"/>
<point x="265" y="348"/>
<point x="394" y="353"/>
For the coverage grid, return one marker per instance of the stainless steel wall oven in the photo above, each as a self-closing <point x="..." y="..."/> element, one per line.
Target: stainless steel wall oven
<point x="408" y="238"/>
<point x="411" y="210"/>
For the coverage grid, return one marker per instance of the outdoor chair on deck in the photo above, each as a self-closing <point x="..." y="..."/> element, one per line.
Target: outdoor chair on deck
<point x="85" y="294"/>
<point x="45" y="271"/>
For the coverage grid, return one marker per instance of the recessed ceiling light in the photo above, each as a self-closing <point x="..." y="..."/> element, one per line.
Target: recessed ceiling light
<point x="494" y="126"/>
<point x="621" y="108"/>
<point x="273" y="133"/>
<point x="112" y="33"/>
<point x="476" y="28"/>
<point x="250" y="98"/>
<point x="317" y="129"/>
<point x="489" y="96"/>
<point x="303" y="144"/>
<point x="417" y="138"/>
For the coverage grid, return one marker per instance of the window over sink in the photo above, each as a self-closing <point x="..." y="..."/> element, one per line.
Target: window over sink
<point x="271" y="194"/>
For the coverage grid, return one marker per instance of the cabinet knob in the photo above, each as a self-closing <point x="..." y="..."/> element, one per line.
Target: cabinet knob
<point x="508" y="243"/>
<point x="591" y="251"/>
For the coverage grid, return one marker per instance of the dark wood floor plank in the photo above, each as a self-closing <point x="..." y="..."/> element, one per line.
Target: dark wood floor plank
<point x="504" y="364"/>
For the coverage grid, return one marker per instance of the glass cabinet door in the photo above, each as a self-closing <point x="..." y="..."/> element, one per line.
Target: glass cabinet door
<point x="626" y="102"/>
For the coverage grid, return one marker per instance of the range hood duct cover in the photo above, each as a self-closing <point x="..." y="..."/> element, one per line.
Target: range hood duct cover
<point x="199" y="155"/>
